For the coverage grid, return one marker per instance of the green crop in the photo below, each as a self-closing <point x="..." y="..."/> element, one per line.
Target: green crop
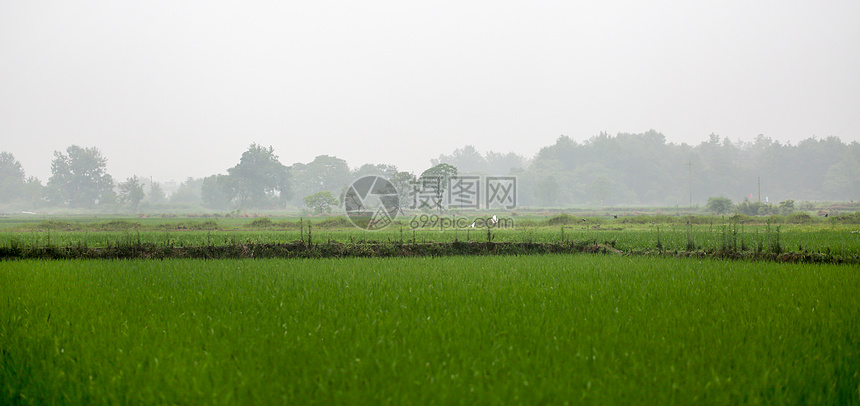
<point x="453" y="330"/>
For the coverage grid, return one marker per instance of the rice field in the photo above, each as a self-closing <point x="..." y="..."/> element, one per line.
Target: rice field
<point x="557" y="329"/>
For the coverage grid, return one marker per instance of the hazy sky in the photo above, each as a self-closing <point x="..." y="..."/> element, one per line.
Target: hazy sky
<point x="172" y="89"/>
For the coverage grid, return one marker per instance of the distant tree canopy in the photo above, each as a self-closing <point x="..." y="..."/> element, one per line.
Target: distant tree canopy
<point x="79" y="178"/>
<point x="156" y="193"/>
<point x="404" y="182"/>
<point x="11" y="177"/>
<point x="438" y="179"/>
<point x="719" y="205"/>
<point x="259" y="180"/>
<point x="644" y="169"/>
<point x="625" y="169"/>
<point x="215" y="192"/>
<point x="131" y="192"/>
<point x="320" y="202"/>
<point x="15" y="190"/>
<point x="188" y="192"/>
<point x="324" y="173"/>
<point x="468" y="160"/>
<point x="386" y="171"/>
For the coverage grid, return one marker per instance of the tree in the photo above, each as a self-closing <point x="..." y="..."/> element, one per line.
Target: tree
<point x="11" y="177"/>
<point x="131" y="192"/>
<point x="404" y="182"/>
<point x="324" y="173"/>
<point x="188" y="192"/>
<point x="216" y="192"/>
<point x="109" y="200"/>
<point x="503" y="164"/>
<point x="78" y="177"/>
<point x="755" y="208"/>
<point x="601" y="188"/>
<point x="547" y="191"/>
<point x="320" y="202"/>
<point x="156" y="193"/>
<point x="842" y="180"/>
<point x="436" y="180"/>
<point x="719" y="205"/>
<point x="33" y="193"/>
<point x="443" y="170"/>
<point x="386" y="171"/>
<point x="259" y="178"/>
<point x="786" y="207"/>
<point x="467" y="159"/>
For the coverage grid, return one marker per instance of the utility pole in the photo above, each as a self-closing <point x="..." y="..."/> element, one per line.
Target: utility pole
<point x="690" y="165"/>
<point x="759" y="189"/>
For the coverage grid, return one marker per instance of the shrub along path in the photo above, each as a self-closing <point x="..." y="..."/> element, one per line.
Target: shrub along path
<point x="301" y="249"/>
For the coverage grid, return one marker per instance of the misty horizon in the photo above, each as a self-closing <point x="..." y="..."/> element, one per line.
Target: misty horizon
<point x="605" y="170"/>
<point x="176" y="90"/>
<point x="418" y="167"/>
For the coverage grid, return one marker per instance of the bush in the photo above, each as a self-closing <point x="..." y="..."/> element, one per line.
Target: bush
<point x="800" y="218"/>
<point x="114" y="225"/>
<point x="786" y="207"/>
<point x="334" y="222"/>
<point x="57" y="225"/>
<point x="742" y="218"/>
<point x="320" y="202"/>
<point x="191" y="225"/>
<point x="562" y="219"/>
<point x="644" y="219"/>
<point x="262" y="222"/>
<point x="755" y="208"/>
<point x="700" y="219"/>
<point x="719" y="205"/>
<point x="527" y="223"/>
<point x="853" y="218"/>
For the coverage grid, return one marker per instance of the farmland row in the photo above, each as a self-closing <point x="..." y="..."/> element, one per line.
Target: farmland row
<point x="834" y="242"/>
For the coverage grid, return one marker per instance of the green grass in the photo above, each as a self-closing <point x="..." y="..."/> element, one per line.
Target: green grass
<point x="453" y="330"/>
<point x="840" y="241"/>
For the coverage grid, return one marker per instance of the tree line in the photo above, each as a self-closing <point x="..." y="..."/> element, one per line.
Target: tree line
<point x="605" y="170"/>
<point x="644" y="169"/>
<point x="79" y="180"/>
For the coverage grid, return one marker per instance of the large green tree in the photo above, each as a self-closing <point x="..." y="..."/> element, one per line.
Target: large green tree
<point x="260" y="179"/>
<point x="131" y="192"/>
<point x="324" y="173"/>
<point x="436" y="180"/>
<point x="79" y="178"/>
<point x="216" y="191"/>
<point x="11" y="177"/>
